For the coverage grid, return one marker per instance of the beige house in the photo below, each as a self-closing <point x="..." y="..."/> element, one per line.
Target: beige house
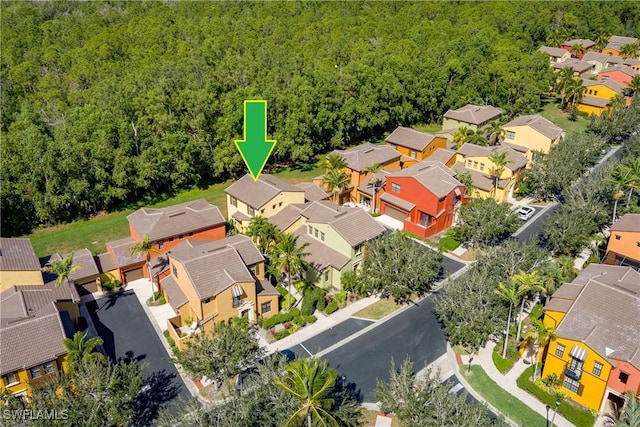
<point x="555" y="54"/>
<point x="265" y="197"/>
<point x="473" y="117"/>
<point x="531" y="133"/>
<point x="600" y="61"/>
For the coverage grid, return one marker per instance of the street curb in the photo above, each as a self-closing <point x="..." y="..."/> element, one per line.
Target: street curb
<point x="526" y="224"/>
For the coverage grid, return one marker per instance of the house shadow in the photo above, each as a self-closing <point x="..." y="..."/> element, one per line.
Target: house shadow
<point x="108" y="340"/>
<point x="159" y="389"/>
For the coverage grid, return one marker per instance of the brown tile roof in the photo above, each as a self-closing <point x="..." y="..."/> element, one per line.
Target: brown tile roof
<point x="474" y="114"/>
<point x="579" y="66"/>
<point x="442" y="155"/>
<point x="631" y="61"/>
<point x="12" y="306"/>
<point x="192" y="249"/>
<point x="557" y="304"/>
<point x="240" y="216"/>
<point x="594" y="102"/>
<point x="367" y="154"/>
<point x="287" y="216"/>
<point x="410" y="138"/>
<point x="380" y="178"/>
<point x="175" y="220"/>
<point x="622" y="68"/>
<point x="514" y="159"/>
<point x="321" y="211"/>
<point x="598" y="57"/>
<point x="586" y="43"/>
<point x="34" y="341"/>
<point x="434" y="176"/>
<point x="176" y="297"/>
<point x="123" y="257"/>
<point x="17" y="255"/>
<point x="264" y="288"/>
<point x="105" y="262"/>
<point x="629" y="222"/>
<point x="605" y="314"/>
<point x="398" y="202"/>
<point x="613" y="85"/>
<point x="537" y="123"/>
<point x="159" y="265"/>
<point x="320" y="255"/>
<point x="479" y="180"/>
<point x="616" y="42"/>
<point x="518" y="148"/>
<point x="257" y="193"/>
<point x="313" y="192"/>
<point x="83" y="258"/>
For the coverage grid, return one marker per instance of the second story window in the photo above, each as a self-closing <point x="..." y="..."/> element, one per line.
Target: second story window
<point x="160" y="244"/>
<point x="412" y="154"/>
<point x="322" y="236"/>
<point x="11" y="378"/>
<point x="617" y="237"/>
<point x="250" y="211"/>
<point x="358" y="250"/>
<point x="233" y="201"/>
<point x="395" y="187"/>
<point x="315" y="232"/>
<point x="510" y="135"/>
<point x="560" y="350"/>
<point x="597" y="369"/>
<point x="481" y="166"/>
<point x="175" y="271"/>
<point x="236" y="301"/>
<point x="35" y="372"/>
<point x="48" y="368"/>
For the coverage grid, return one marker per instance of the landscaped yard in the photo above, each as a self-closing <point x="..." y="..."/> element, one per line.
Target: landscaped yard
<point x="561" y="119"/>
<point x="430" y="128"/>
<point x="95" y="232"/>
<point x="378" y="309"/>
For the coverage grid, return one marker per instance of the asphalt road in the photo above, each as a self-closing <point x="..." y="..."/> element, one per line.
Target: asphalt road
<point x="330" y="337"/>
<point x="128" y="334"/>
<point x="534" y="225"/>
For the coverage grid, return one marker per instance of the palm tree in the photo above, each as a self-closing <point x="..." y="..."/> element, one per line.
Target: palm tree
<point x="510" y="295"/>
<point x="539" y="334"/>
<point x="564" y="77"/>
<point x="375" y="182"/>
<point x="62" y="268"/>
<point x="617" y="103"/>
<point x="461" y="135"/>
<point x="288" y="257"/>
<point x="630" y="50"/>
<point x="627" y="175"/>
<point x="262" y="232"/>
<point x="575" y="91"/>
<point x="476" y="137"/>
<point x="337" y="181"/>
<point x="145" y="247"/>
<point x="630" y="415"/>
<point x="499" y="161"/>
<point x="82" y="349"/>
<point x="601" y="37"/>
<point x="310" y="382"/>
<point x="634" y="85"/>
<point x="466" y="180"/>
<point x="335" y="161"/>
<point x="494" y="133"/>
<point x="578" y="50"/>
<point x="526" y="284"/>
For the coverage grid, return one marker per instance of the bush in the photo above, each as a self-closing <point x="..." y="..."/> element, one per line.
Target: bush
<point x="288" y="301"/>
<point x="331" y="307"/>
<point x="295" y="312"/>
<point x="281" y="290"/>
<point x="110" y="285"/>
<point x="315" y="298"/>
<point x="310" y="319"/>
<point x="340" y="298"/>
<point x="536" y="312"/>
<point x="579" y="417"/>
<point x="166" y="333"/>
<point x="503" y="365"/>
<point x="276" y="319"/>
<point x="281" y="334"/>
<point x="448" y="243"/>
<point x="299" y="321"/>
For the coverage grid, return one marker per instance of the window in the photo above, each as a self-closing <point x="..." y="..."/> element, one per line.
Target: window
<point x="597" y="369"/>
<point x="595" y="93"/>
<point x="251" y="211"/>
<point x="48" y="368"/>
<point x="191" y="233"/>
<point x="309" y="229"/>
<point x="252" y="269"/>
<point x="315" y="232"/>
<point x="207" y="301"/>
<point x="412" y="154"/>
<point x="395" y="187"/>
<point x="510" y="135"/>
<point x="623" y="377"/>
<point x="322" y="236"/>
<point x="262" y="211"/>
<point x="358" y="250"/>
<point x="638" y="244"/>
<point x="233" y="201"/>
<point x="175" y="271"/>
<point x="469" y="162"/>
<point x="481" y="166"/>
<point x="35" y="372"/>
<point x="11" y="378"/>
<point x="279" y="204"/>
<point x="475" y="165"/>
<point x="265" y="307"/>
<point x="617" y="237"/>
<point x="326" y="276"/>
<point x="560" y="350"/>
<point x="425" y="219"/>
<point x="576" y="365"/>
<point x="273" y="206"/>
<point x="236" y="301"/>
<point x="590" y="91"/>
<point x="571" y="384"/>
<point x="171" y="239"/>
<point x="160" y="244"/>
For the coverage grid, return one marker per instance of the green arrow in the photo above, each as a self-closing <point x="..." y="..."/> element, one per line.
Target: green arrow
<point x="255" y="148"/>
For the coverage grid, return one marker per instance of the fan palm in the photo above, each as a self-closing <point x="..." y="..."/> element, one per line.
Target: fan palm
<point x="630" y="50"/>
<point x="288" y="257"/>
<point x="337" y="181"/>
<point x="310" y="382"/>
<point x="145" y="247"/>
<point x="81" y="349"/>
<point x="508" y="293"/>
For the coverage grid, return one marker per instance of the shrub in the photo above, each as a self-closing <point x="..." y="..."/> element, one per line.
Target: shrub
<point x="312" y="300"/>
<point x="299" y="321"/>
<point x="333" y="306"/>
<point x="295" y="312"/>
<point x="321" y="300"/>
<point x="536" y="312"/>
<point x="340" y="298"/>
<point x="111" y="284"/>
<point x="281" y="334"/>
<point x="281" y="290"/>
<point x="448" y="243"/>
<point x="310" y="318"/>
<point x="288" y="301"/>
<point x="276" y="319"/>
<point x="503" y="365"/>
<point x="166" y="333"/>
<point x="161" y="300"/>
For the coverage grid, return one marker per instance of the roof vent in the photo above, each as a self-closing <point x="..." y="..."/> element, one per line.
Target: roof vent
<point x="368" y="151"/>
<point x="173" y="215"/>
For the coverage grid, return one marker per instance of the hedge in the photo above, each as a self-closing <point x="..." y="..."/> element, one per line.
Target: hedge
<point x="503" y="365"/>
<point x="281" y="334"/>
<point x="314" y="299"/>
<point x="281" y="290"/>
<point x="288" y="301"/>
<point x="310" y="318"/>
<point x="579" y="417"/>
<point x="333" y="306"/>
<point x="299" y="321"/>
<point x="276" y="319"/>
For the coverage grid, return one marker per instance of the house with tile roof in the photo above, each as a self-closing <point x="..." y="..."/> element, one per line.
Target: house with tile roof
<point x="534" y="133"/>
<point x="596" y="93"/>
<point x="624" y="242"/>
<point x="616" y="42"/>
<point x="586" y="44"/>
<point x="555" y="54"/>
<point x="475" y="160"/>
<point x="620" y="74"/>
<point x="601" y="61"/>
<point x="313" y="192"/>
<point x="424" y="197"/>
<point x="414" y="145"/>
<point x="214" y="281"/>
<point x="596" y="351"/>
<point x="18" y="263"/>
<point x="265" y="197"/>
<point x="581" y="69"/>
<point x="473" y="117"/>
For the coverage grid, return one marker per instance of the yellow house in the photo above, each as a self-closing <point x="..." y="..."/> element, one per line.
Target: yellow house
<point x="534" y="133"/>
<point x="556" y="54"/>
<point x="265" y="197"/>
<point x="597" y="335"/>
<point x="475" y="160"/>
<point x="214" y="281"/>
<point x="18" y="264"/>
<point x="414" y="145"/>
<point x="473" y="117"/>
<point x="593" y="106"/>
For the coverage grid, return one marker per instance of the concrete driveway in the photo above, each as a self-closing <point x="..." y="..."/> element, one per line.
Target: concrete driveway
<point x="128" y="334"/>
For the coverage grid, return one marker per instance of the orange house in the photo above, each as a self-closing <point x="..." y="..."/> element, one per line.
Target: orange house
<point x="414" y="145"/>
<point x="624" y="242"/>
<point x="615" y="44"/>
<point x="620" y="74"/>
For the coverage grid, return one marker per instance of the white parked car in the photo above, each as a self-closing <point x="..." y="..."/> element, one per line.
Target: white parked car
<point x="526" y="212"/>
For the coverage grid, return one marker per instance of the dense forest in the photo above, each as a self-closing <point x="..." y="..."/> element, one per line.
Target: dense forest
<point x="103" y="102"/>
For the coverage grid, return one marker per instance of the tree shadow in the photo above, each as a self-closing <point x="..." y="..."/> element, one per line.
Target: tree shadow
<point x="159" y="389"/>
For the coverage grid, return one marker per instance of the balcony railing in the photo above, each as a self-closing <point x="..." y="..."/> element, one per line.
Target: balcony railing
<point x="575" y="373"/>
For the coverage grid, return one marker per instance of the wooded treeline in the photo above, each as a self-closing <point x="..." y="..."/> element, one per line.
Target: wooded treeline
<point x="103" y="102"/>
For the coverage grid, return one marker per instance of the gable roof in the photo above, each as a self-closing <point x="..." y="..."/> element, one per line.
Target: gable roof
<point x="622" y="68"/>
<point x="442" y="155"/>
<point x="320" y="255"/>
<point x="594" y="101"/>
<point x="192" y="249"/>
<point x="474" y="114"/>
<point x="313" y="192"/>
<point x="586" y="43"/>
<point x="367" y="154"/>
<point x="83" y="258"/>
<point x="629" y="222"/>
<point x="287" y="216"/>
<point x="514" y="159"/>
<point x="578" y="65"/>
<point x="556" y="52"/>
<point x="257" y="193"/>
<point x="434" y="176"/>
<point x="605" y="312"/>
<point x="121" y="252"/>
<point x="537" y="123"/>
<point x="17" y="255"/>
<point x="410" y="138"/>
<point x="174" y="220"/>
<point x="176" y="297"/>
<point x="600" y="57"/>
<point x="479" y="180"/>
<point x="611" y="84"/>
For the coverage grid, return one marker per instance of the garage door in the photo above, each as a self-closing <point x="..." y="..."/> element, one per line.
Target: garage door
<point x="87" y="288"/>
<point x="395" y="213"/>
<point x="131" y="275"/>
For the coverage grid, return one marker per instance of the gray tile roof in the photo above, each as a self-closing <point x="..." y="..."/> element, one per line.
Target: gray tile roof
<point x="434" y="176"/>
<point x="367" y="154"/>
<point x="121" y="251"/>
<point x="192" y="249"/>
<point x="321" y="211"/>
<point x="474" y="114"/>
<point x="613" y="85"/>
<point x="605" y="313"/>
<point x="629" y="222"/>
<point x="379" y="178"/>
<point x="410" y="138"/>
<point x="514" y="159"/>
<point x="594" y="102"/>
<point x="176" y="297"/>
<point x="257" y="193"/>
<point x="398" y="202"/>
<point x="556" y="52"/>
<point x="518" y="148"/>
<point x="557" y="304"/>
<point x="442" y="155"/>
<point x="264" y="288"/>
<point x="537" y="123"/>
<point x="287" y="216"/>
<point x="175" y="220"/>
<point x="12" y="306"/>
<point x="105" y="262"/>
<point x="17" y="255"/>
<point x="597" y="57"/>
<point x="579" y="66"/>
<point x="616" y="42"/>
<point x="83" y="258"/>
<point x="320" y="255"/>
<point x="240" y="216"/>
<point x="479" y="180"/>
<point x="313" y="192"/>
<point x="33" y="341"/>
<point x="586" y="43"/>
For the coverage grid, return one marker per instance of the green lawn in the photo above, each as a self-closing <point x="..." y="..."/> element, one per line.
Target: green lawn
<point x="95" y="232"/>
<point x="502" y="400"/>
<point x="430" y="128"/>
<point x="378" y="309"/>
<point x="561" y="119"/>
